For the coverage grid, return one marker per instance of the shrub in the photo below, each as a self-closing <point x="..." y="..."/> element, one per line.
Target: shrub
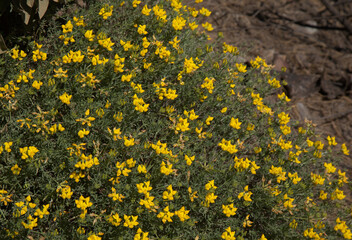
<point x="125" y="122"/>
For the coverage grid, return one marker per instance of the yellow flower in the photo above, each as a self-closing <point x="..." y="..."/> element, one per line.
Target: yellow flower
<point x="205" y="12"/>
<point x="288" y="203"/>
<point x="208" y="120"/>
<point x="141" y="30"/>
<point x="166" y="169"/>
<point x="283" y="96"/>
<point x="166" y="215"/>
<point x="228" y="235"/>
<point x="229" y="210"/>
<point x="210" y="185"/>
<point x="317" y="179"/>
<point x="323" y="195"/>
<point x="43" y="212"/>
<point x="182" y="214"/>
<point x="130" y="223"/>
<point x="182" y="125"/>
<point x="81" y="231"/>
<point x="79" y="21"/>
<point x="337" y="194"/>
<point x="93" y="237"/>
<point x="178" y="23"/>
<point x="189" y="160"/>
<point x="192" y="25"/>
<point x="17" y="54"/>
<point x="82" y="133"/>
<point x="146" y="10"/>
<point x="89" y="35"/>
<point x="241" y="68"/>
<point x="128" y="142"/>
<point x="344" y="149"/>
<point x="224" y="110"/>
<point x="60" y="73"/>
<point x="235" y="123"/>
<point x="65" y="98"/>
<point x="65" y="192"/>
<point x="284" y="118"/>
<point x="189" y="65"/>
<point x="247" y="222"/>
<point x="210" y="198"/>
<point x="207" y="26"/>
<point x="32" y="222"/>
<point x="175" y="43"/>
<point x="140" y="235"/>
<point x="169" y="194"/>
<point x="263" y="237"/>
<point x="293" y="224"/>
<point x="37" y="84"/>
<point x="106" y="11"/>
<point x="144" y="187"/>
<point x="116" y="196"/>
<point x="8" y="146"/>
<point x="329" y="167"/>
<point x="16" y="169"/>
<point x="192" y="195"/>
<point x="135" y="3"/>
<point x="67" y="27"/>
<point x="142" y="169"/>
<point x="106" y="43"/>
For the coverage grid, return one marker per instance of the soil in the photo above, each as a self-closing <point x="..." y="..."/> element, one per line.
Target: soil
<point x="312" y="40"/>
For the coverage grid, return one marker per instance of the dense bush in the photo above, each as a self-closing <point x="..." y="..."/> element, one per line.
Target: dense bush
<point x="126" y="123"/>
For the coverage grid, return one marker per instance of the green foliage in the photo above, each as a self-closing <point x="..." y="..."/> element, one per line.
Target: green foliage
<point x="125" y="123"/>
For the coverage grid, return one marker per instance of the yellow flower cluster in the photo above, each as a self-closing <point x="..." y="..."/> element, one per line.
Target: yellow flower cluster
<point x="343" y="228"/>
<point x="227" y="146"/>
<point x="5" y="197"/>
<point x="208" y="84"/>
<point x="83" y="203"/>
<point x="139" y="104"/>
<point x="106" y="11"/>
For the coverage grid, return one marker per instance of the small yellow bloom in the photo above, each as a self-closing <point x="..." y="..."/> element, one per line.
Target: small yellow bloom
<point x="189" y="160"/>
<point x="82" y="133"/>
<point x="228" y="235"/>
<point x="128" y="142"/>
<point x="37" y="84"/>
<point x="207" y="26"/>
<point x="16" y="170"/>
<point x="178" y="23"/>
<point x="208" y="120"/>
<point x="130" y="223"/>
<point x="345" y="150"/>
<point x="146" y="10"/>
<point x="8" y="146"/>
<point x="141" y="30"/>
<point x="229" y="210"/>
<point x="89" y="35"/>
<point x="235" y="123"/>
<point x="65" y="98"/>
<point x="329" y="167"/>
<point x="224" y="110"/>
